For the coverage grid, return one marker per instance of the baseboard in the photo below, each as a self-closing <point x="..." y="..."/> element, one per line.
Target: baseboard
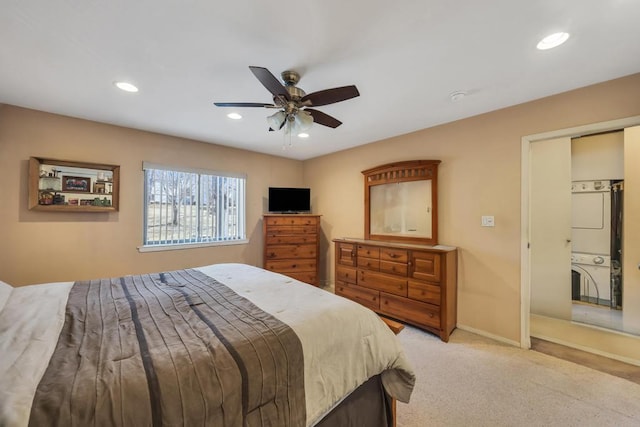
<point x="488" y="335"/>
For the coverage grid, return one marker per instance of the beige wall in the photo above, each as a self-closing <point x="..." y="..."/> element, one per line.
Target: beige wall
<point x="479" y="175"/>
<point x="38" y="247"/>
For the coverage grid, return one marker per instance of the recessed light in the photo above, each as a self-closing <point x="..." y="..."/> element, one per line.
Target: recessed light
<point x="553" y="40"/>
<point x="127" y="87"/>
<point x="303" y="135"/>
<point x="234" y="116"/>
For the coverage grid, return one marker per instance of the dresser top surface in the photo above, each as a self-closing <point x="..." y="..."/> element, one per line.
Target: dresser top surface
<point x="290" y="214"/>
<point x="442" y="248"/>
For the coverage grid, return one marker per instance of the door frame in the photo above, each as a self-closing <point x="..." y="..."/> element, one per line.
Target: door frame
<point x="525" y="217"/>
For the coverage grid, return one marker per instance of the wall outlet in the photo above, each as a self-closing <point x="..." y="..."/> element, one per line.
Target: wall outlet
<point x="488" y="221"/>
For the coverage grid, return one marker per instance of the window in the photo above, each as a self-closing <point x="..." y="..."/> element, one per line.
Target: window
<point x="189" y="207"/>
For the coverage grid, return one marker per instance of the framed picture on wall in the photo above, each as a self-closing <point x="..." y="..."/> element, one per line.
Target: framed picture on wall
<point x="76" y="183"/>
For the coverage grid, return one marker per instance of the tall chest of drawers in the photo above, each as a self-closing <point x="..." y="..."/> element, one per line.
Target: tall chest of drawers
<point x="292" y="245"/>
<point x="415" y="284"/>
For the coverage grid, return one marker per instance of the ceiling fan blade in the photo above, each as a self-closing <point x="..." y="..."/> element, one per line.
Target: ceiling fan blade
<point x="329" y="96"/>
<point x="270" y="81"/>
<point x="242" y="104"/>
<point x="323" y="119"/>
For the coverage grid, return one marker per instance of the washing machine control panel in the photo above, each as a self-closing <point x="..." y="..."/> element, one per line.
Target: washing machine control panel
<point x="590" y="186"/>
<point x="591" y="259"/>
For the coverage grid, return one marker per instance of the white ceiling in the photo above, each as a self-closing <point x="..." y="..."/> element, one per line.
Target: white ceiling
<point x="406" y="58"/>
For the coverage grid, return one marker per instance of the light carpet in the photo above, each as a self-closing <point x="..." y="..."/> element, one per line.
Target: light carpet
<point x="476" y="381"/>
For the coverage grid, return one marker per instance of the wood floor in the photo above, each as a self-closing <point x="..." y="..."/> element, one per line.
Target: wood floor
<point x="593" y="361"/>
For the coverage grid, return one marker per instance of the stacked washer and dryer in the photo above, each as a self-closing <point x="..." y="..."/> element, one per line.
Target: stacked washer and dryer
<point x="593" y="237"/>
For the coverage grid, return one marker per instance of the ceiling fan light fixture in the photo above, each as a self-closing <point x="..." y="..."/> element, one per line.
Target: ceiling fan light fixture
<point x="303" y="135"/>
<point x="298" y="123"/>
<point x="302" y="121"/>
<point x="276" y="120"/>
<point x="553" y="40"/>
<point x="234" y="116"/>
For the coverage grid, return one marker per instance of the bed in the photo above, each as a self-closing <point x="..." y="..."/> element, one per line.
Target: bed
<point x="224" y="344"/>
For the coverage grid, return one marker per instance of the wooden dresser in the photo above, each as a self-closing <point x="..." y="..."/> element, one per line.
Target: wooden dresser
<point x="292" y="245"/>
<point x="412" y="283"/>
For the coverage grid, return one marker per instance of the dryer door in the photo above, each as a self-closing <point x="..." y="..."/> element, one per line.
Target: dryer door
<point x="588" y="210"/>
<point x="591" y="218"/>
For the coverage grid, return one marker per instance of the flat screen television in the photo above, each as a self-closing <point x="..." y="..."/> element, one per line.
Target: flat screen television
<point x="289" y="200"/>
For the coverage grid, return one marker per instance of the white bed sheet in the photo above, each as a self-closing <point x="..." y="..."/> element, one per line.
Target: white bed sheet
<point x="30" y="323"/>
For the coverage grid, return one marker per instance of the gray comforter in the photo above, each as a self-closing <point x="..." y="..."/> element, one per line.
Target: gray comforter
<point x="175" y="348"/>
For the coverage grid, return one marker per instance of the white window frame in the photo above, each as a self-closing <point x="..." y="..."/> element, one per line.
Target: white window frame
<point x="239" y="236"/>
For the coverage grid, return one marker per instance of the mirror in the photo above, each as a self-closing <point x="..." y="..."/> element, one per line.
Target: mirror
<point x="401" y="202"/>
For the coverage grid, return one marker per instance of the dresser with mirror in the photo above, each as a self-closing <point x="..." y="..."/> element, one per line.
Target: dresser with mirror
<point x="398" y="269"/>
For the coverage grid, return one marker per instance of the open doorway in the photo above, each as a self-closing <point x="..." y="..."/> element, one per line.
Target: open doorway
<point x="556" y="272"/>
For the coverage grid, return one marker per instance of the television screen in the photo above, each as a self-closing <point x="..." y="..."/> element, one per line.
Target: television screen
<point x="289" y="199"/>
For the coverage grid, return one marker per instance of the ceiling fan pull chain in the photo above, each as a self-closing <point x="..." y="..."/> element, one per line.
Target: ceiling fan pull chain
<point x="284" y="138"/>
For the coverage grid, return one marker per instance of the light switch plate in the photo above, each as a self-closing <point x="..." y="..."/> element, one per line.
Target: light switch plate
<point x="488" y="221"/>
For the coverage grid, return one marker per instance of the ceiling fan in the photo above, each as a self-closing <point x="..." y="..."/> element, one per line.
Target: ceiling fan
<point x="294" y="113"/>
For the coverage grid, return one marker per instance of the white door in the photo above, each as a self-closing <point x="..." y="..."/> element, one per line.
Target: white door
<point x="550" y="227"/>
<point x="630" y="232"/>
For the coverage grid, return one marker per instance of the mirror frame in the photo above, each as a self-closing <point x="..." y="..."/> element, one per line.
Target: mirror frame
<point x="412" y="170"/>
